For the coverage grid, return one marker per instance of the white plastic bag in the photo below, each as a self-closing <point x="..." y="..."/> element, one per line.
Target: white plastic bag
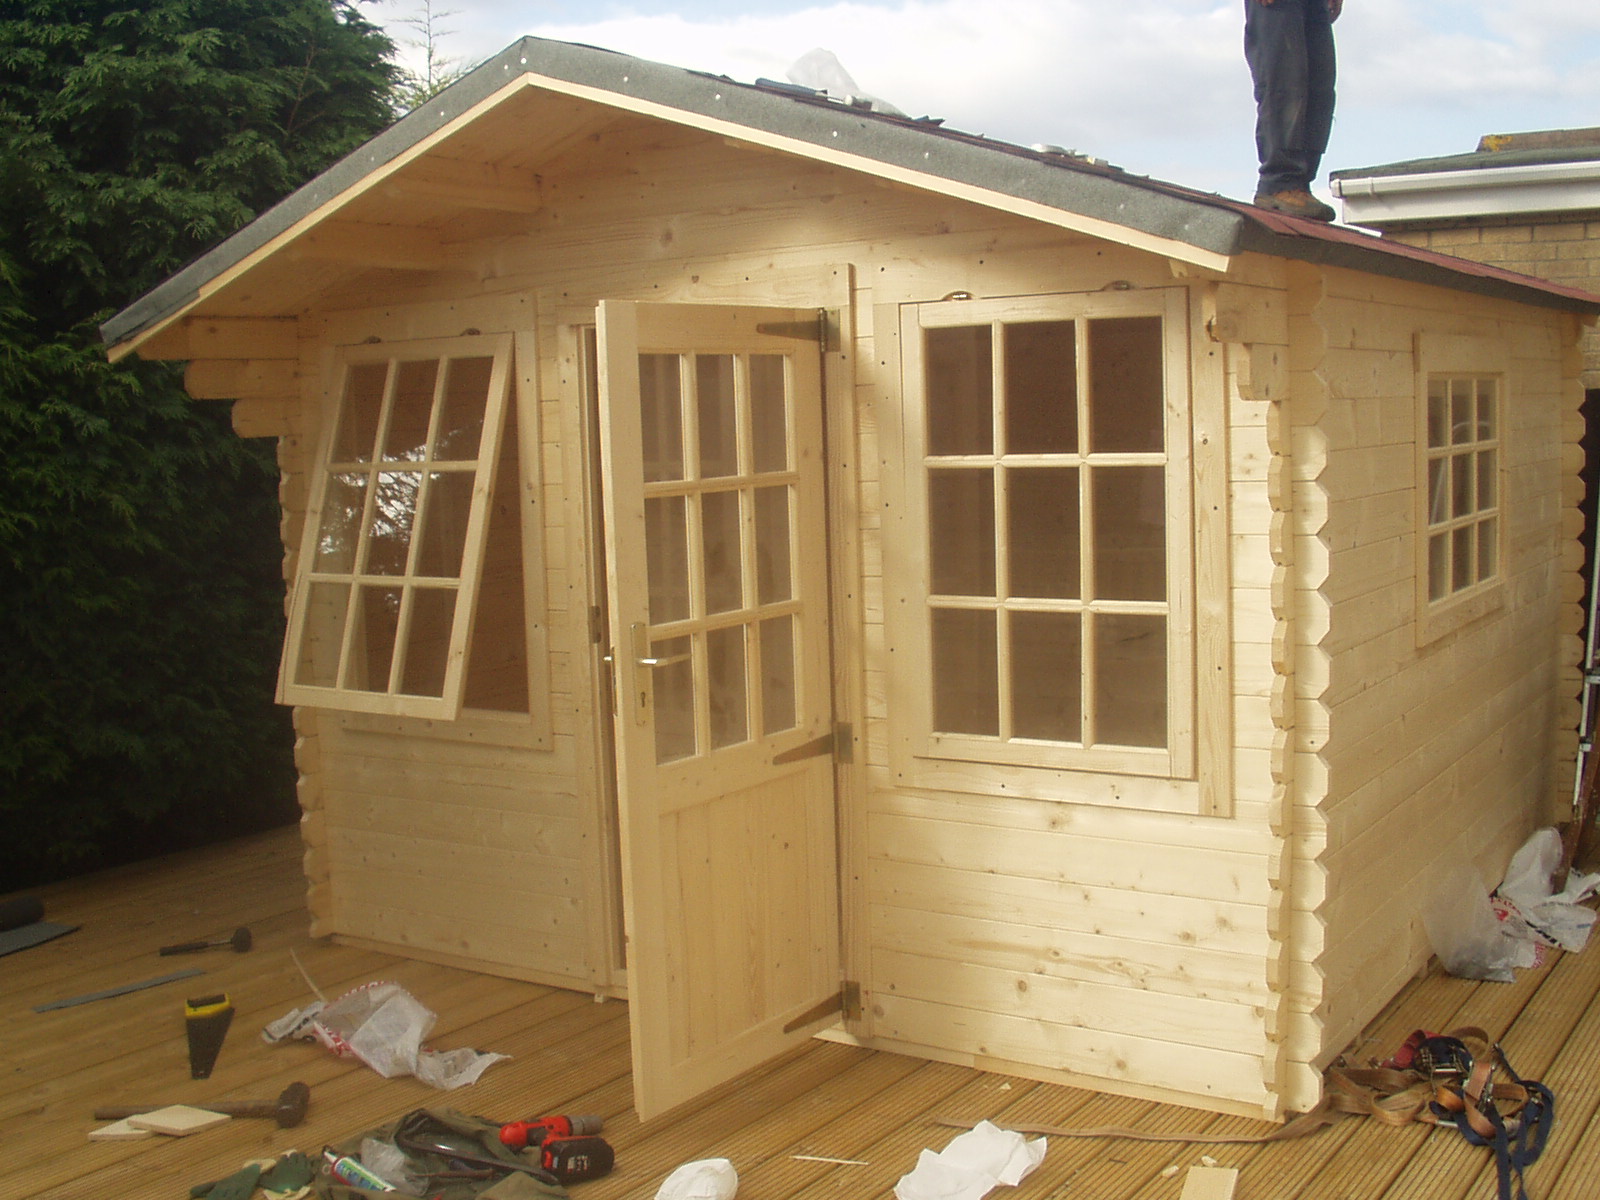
<point x="972" y="1165"/>
<point x="1470" y="942"/>
<point x="383" y="1025"/>
<point x="707" y="1179"/>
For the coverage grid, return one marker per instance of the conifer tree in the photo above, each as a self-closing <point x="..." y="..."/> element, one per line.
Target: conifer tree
<point x="140" y="575"/>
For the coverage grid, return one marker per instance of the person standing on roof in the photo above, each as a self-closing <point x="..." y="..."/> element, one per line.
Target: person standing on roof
<point x="1289" y="46"/>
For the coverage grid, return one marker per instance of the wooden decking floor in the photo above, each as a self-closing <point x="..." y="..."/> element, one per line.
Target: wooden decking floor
<point x="825" y="1102"/>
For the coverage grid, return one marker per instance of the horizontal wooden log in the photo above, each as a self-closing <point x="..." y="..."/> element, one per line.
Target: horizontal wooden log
<point x="237" y="379"/>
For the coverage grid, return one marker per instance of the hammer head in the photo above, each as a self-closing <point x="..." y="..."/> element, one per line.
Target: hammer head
<point x="290" y="1107"/>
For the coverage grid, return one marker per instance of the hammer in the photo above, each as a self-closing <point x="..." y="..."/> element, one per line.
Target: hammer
<point x="288" y="1110"/>
<point x="240" y="942"/>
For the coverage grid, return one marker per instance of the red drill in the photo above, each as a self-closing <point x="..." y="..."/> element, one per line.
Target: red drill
<point x="519" y="1135"/>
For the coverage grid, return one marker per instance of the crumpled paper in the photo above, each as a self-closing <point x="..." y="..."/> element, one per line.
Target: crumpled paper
<point x="383" y="1025"/>
<point x="972" y="1165"/>
<point x="707" y="1179"/>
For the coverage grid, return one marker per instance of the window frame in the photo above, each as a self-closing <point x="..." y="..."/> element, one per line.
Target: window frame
<point x="1166" y="778"/>
<point x="1441" y="357"/>
<point x="506" y="387"/>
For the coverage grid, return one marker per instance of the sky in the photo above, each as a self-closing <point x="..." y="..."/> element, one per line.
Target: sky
<point x="1157" y="87"/>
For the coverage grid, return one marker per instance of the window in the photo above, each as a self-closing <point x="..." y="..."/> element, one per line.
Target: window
<point x="1044" y="611"/>
<point x="415" y="532"/>
<point x="1461" y="385"/>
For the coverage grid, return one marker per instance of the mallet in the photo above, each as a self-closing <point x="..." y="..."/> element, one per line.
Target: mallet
<point x="288" y="1110"/>
<point x="240" y="941"/>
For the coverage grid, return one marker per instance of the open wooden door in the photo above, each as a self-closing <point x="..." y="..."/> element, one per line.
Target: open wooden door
<point x="711" y="434"/>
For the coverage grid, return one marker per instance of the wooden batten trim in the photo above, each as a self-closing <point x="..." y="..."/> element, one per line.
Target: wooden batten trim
<point x="749" y="135"/>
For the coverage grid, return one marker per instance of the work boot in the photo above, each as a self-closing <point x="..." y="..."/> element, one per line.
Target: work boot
<point x="1295" y="204"/>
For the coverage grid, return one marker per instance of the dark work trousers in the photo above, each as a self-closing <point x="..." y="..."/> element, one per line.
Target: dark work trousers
<point x="1289" y="46"/>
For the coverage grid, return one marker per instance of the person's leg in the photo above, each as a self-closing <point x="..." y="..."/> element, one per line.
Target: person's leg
<point x="1320" y="72"/>
<point x="1275" y="48"/>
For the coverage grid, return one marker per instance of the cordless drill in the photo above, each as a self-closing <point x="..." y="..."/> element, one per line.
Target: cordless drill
<point x="566" y="1145"/>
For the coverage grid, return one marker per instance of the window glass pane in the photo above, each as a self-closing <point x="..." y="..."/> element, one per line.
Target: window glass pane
<point x="1486" y="410"/>
<point x="497" y="667"/>
<point x="1488" y="548"/>
<point x="1130" y="693"/>
<point x="1462" y="477"/>
<point x="959" y="365"/>
<point x="724" y="567"/>
<point x="717" y="411"/>
<point x="673" y="689"/>
<point x="774" y="572"/>
<point x="1438" y="414"/>
<point x="466" y="391"/>
<point x="444" y="524"/>
<point x="1044" y="535"/>
<point x="1047" y="676"/>
<point x="667" y="555"/>
<point x="409" y="411"/>
<point x="357" y="434"/>
<point x="1438" y="566"/>
<point x="769" y="413"/>
<point x="966" y="672"/>
<point x="342" y="511"/>
<point x="1461" y="411"/>
<point x="1461" y="575"/>
<point x="1126" y="401"/>
<point x="428" y="641"/>
<point x="1041" y="372"/>
<point x="1488" y="490"/>
<point x="726" y="687"/>
<point x="1130" y="543"/>
<point x="393" y="510"/>
<point x="661" y="416"/>
<point x="376" y="618"/>
<point x="778" y="674"/>
<point x="1438" y="478"/>
<point x="318" y="662"/>
<point x="961" y="536"/>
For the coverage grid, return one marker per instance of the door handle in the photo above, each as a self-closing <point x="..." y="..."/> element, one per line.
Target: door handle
<point x="641" y="650"/>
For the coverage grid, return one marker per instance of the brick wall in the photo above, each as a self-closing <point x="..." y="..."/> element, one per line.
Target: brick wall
<point x="1564" y="251"/>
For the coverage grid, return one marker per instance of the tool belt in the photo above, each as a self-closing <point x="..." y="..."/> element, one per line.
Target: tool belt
<point x="1460" y="1079"/>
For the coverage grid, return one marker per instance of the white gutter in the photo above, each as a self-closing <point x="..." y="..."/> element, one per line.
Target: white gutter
<point x="1480" y="191"/>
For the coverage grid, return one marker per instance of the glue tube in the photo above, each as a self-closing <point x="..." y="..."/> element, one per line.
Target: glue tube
<point x="349" y="1170"/>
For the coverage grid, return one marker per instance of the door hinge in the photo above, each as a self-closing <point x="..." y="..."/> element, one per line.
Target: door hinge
<point x="824" y="330"/>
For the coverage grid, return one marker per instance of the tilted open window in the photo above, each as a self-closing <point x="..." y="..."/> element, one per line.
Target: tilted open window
<point x="1042" y="587"/>
<point x="415" y="537"/>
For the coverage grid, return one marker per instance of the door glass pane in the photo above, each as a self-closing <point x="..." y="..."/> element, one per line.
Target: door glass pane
<point x="407" y="439"/>
<point x="661" y="416"/>
<point x="961" y="534"/>
<point x="318" y="661"/>
<point x="960" y="390"/>
<point x="726" y="687"/>
<point x="1130" y="694"/>
<point x="376" y="618"/>
<point x="393" y="510"/>
<point x="966" y="679"/>
<point x="1047" y="676"/>
<point x="673" y="684"/>
<point x="1041" y="387"/>
<point x="428" y="641"/>
<point x="769" y="413"/>
<point x="724" y="567"/>
<point x="1130" y="533"/>
<point x="1126" y="401"/>
<point x="444" y="524"/>
<point x="357" y="435"/>
<point x="717" y="410"/>
<point x="466" y="390"/>
<point x="779" y="705"/>
<point x="774" y="572"/>
<point x="1044" y="535"/>
<point x="667" y="557"/>
<point x="342" y="513"/>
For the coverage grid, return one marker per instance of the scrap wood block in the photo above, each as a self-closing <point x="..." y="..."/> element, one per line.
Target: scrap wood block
<point x="118" y="1131"/>
<point x="1210" y="1183"/>
<point x="178" y="1120"/>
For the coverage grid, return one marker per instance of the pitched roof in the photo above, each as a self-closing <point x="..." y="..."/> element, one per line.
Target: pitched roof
<point x="1061" y="188"/>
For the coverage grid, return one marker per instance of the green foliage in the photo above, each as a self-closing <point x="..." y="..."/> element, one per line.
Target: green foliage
<point x="139" y="562"/>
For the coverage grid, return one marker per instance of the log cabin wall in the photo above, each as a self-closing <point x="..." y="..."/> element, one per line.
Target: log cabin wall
<point x="1425" y="753"/>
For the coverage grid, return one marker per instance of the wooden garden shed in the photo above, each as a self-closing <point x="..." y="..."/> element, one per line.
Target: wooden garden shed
<point x="802" y="568"/>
